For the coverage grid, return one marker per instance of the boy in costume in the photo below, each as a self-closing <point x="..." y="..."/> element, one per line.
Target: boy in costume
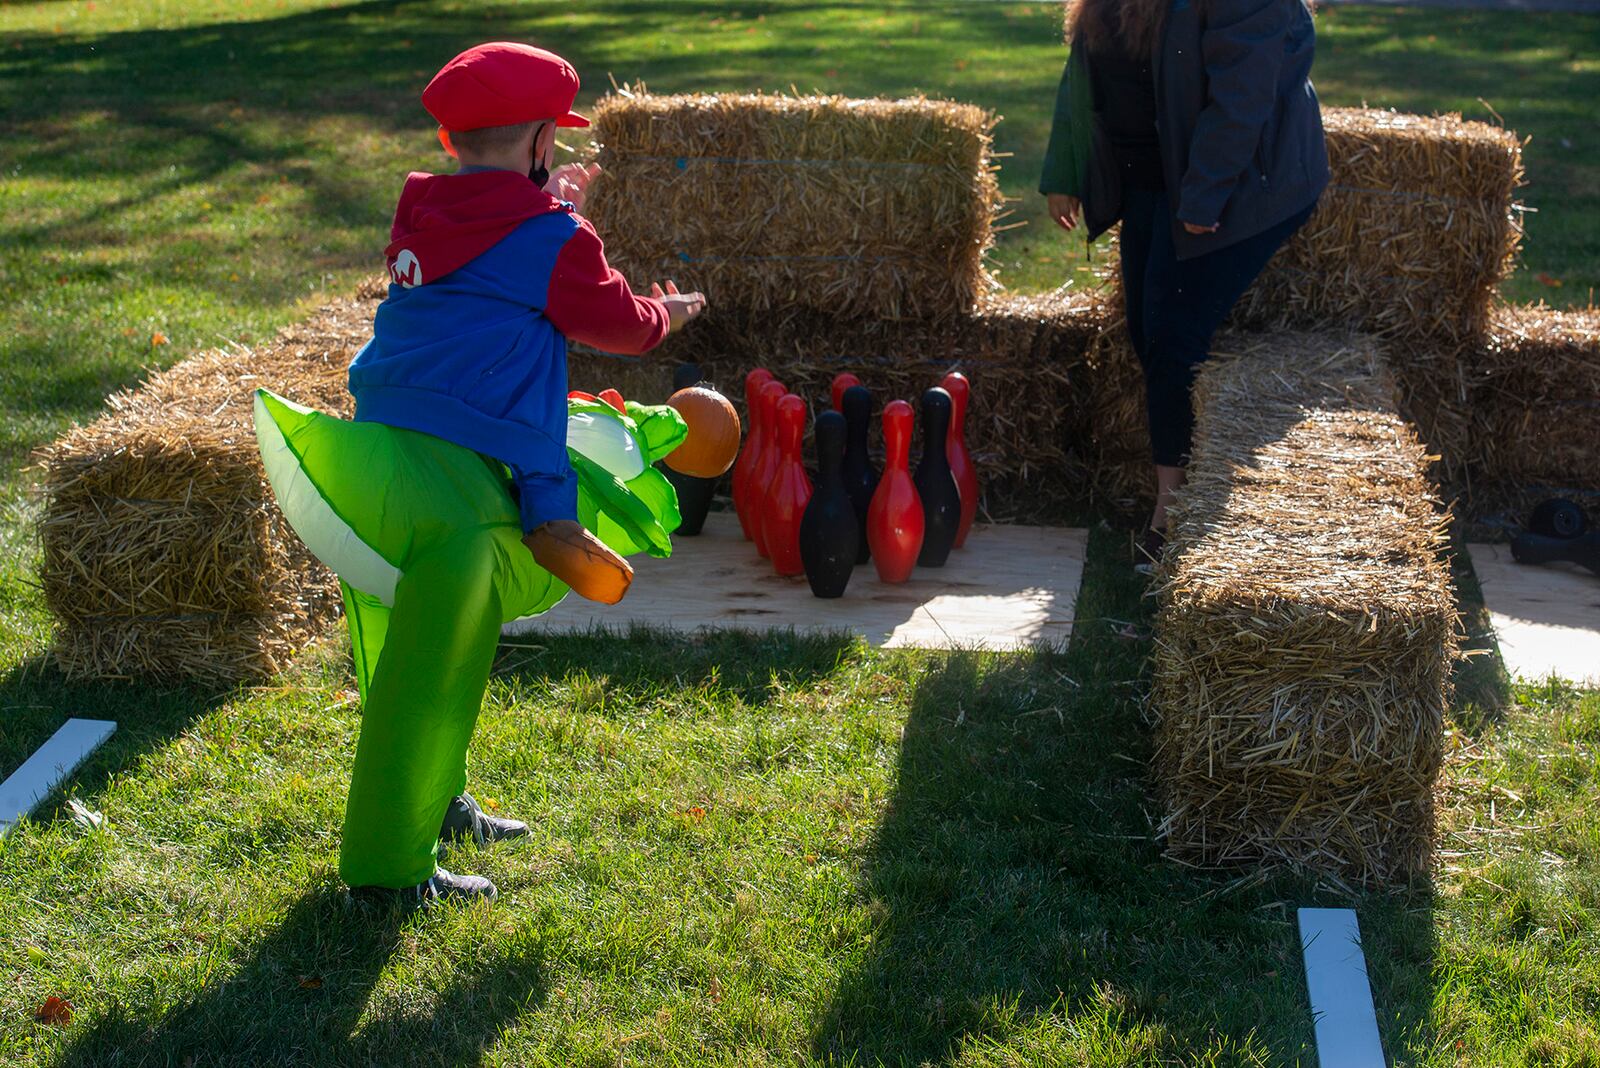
<point x="451" y="504"/>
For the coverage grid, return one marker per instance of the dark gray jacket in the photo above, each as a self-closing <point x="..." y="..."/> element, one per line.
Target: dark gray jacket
<point x="1236" y="116"/>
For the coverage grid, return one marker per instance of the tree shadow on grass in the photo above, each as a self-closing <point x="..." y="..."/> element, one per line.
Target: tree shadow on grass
<point x="751" y="665"/>
<point x="1023" y="892"/>
<point x="304" y="996"/>
<point x="36" y="698"/>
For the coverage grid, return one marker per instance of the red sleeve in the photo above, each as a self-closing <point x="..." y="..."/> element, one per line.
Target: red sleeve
<point x="591" y="303"/>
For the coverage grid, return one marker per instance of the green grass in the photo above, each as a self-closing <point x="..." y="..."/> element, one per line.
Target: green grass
<point x="746" y="850"/>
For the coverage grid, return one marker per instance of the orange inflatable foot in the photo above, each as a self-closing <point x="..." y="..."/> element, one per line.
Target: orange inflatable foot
<point x="576" y="557"/>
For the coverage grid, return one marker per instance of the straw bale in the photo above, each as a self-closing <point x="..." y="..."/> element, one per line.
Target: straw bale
<point x="1534" y="354"/>
<point x="1306" y="628"/>
<point x="1024" y="356"/>
<point x="164" y="553"/>
<point x="1515" y="413"/>
<point x="857" y="208"/>
<point x="1412" y="237"/>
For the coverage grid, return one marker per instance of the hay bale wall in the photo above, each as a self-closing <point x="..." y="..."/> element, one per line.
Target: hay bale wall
<point x="1413" y="236"/>
<point x="1533" y="390"/>
<point x="1515" y="414"/>
<point x="1024" y="355"/>
<point x="856" y="208"/>
<point x="164" y="554"/>
<point x="1306" y="628"/>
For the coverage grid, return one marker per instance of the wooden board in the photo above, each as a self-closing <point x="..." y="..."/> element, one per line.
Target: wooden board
<point x="52" y="762"/>
<point x="1341" y="995"/>
<point x="1008" y="587"/>
<point x="1546" y="617"/>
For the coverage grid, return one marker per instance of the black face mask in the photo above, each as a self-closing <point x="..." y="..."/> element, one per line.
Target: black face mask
<point x="539" y="173"/>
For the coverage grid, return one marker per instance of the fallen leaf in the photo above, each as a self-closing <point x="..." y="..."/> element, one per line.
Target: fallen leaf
<point x="83" y="815"/>
<point x="158" y="338"/>
<point x="311" y="982"/>
<point x="491" y="804"/>
<point x="55" y="1010"/>
<point x="696" y="813"/>
<point x="716" y="990"/>
<point x="1546" y="279"/>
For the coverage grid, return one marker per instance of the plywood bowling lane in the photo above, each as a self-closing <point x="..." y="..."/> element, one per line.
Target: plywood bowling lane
<point x="1546" y="618"/>
<point x="1010" y="587"/>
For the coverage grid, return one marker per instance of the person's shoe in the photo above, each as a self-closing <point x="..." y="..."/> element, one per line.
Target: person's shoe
<point x="1149" y="554"/>
<point x="466" y="821"/>
<point x="441" y="887"/>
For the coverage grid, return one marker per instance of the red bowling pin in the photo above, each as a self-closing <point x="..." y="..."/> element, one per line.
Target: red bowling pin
<point x="766" y="463"/>
<point x="841" y="382"/>
<point x="955" y="450"/>
<point x="791" y="489"/>
<point x="746" y="464"/>
<point x="894" y="519"/>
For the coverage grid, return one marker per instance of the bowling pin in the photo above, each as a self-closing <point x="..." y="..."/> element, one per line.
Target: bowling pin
<point x="828" y="530"/>
<point x="753" y="440"/>
<point x="894" y="520"/>
<point x="841" y="382"/>
<point x="955" y="450"/>
<point x="860" y="476"/>
<point x="936" y="486"/>
<point x="766" y="463"/>
<point x="791" y="489"/>
<point x="694" y="494"/>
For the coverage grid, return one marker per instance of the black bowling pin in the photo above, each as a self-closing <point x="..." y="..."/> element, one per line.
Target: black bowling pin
<point x="860" y="477"/>
<point x="828" y="529"/>
<point x="936" y="485"/>
<point x="694" y="494"/>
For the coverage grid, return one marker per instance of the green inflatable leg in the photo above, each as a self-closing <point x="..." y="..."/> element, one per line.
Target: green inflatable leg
<point x="420" y="710"/>
<point x="368" y="620"/>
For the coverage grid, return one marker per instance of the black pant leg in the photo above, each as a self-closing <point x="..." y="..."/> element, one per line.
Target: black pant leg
<point x="1142" y="211"/>
<point x="1185" y="302"/>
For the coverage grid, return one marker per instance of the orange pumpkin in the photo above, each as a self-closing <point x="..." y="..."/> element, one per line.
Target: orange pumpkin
<point x="713" y="440"/>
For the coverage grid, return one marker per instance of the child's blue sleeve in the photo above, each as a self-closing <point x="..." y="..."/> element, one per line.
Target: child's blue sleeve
<point x="543" y="496"/>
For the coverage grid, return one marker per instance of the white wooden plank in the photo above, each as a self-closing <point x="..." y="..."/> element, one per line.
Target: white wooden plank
<point x="1341" y="995"/>
<point x="1008" y="587"/>
<point x="52" y="762"/>
<point x="1546" y="617"/>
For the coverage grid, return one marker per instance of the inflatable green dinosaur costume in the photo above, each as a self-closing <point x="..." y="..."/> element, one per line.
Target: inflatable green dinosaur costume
<point x="427" y="542"/>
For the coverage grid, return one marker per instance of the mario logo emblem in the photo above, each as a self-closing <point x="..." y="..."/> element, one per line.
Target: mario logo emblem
<point x="405" y="270"/>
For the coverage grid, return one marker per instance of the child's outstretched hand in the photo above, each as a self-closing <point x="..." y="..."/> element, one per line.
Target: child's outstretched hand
<point x="570" y="182"/>
<point x="681" y="307"/>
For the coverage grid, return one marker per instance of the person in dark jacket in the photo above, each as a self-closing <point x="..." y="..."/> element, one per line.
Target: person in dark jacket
<point x="1194" y="124"/>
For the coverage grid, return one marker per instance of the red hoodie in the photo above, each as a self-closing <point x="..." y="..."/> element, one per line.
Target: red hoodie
<point x="444" y="221"/>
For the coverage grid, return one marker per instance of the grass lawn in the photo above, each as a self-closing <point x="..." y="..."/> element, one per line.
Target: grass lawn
<point x="745" y="851"/>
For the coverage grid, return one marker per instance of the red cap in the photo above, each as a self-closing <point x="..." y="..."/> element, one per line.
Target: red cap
<point x="500" y="84"/>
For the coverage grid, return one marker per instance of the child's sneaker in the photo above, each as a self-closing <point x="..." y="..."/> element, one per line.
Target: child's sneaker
<point x="442" y="886"/>
<point x="465" y="821"/>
